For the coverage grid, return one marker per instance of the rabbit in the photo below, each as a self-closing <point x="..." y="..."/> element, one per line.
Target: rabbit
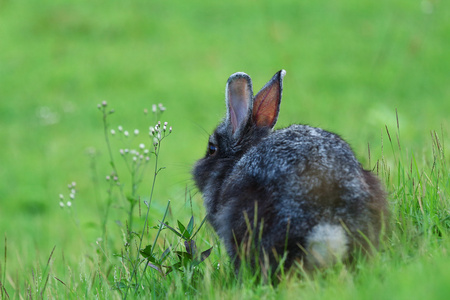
<point x="296" y="194"/>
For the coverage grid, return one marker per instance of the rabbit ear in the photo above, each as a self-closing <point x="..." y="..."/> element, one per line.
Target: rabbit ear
<point x="266" y="105"/>
<point x="239" y="94"/>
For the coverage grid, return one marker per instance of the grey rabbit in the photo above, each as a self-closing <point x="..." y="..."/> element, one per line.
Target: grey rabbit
<point x="296" y="194"/>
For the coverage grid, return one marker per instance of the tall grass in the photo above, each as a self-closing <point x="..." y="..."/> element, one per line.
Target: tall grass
<point x="416" y="247"/>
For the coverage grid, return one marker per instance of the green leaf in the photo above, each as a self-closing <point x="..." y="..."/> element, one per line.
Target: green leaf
<point x="190" y="226"/>
<point x="173" y="229"/>
<point x="183" y="230"/>
<point x="161" y="225"/>
<point x="171" y="268"/>
<point x="184" y="256"/>
<point x="147" y="251"/>
<point x="164" y="255"/>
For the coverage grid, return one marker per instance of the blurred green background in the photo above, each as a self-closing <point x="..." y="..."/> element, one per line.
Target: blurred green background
<point x="350" y="64"/>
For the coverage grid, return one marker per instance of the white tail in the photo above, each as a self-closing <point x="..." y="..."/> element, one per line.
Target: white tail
<point x="326" y="245"/>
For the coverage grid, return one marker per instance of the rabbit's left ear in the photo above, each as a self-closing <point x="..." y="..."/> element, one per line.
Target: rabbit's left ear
<point x="266" y="104"/>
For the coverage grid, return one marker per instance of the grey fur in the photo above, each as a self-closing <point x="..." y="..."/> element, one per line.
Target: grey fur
<point x="289" y="181"/>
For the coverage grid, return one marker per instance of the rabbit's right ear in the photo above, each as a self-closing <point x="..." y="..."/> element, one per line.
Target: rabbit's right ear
<point x="239" y="94"/>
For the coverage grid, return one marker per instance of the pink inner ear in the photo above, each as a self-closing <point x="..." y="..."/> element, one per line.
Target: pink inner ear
<point x="266" y="105"/>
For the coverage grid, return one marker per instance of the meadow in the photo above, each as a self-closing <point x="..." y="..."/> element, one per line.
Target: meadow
<point x="375" y="72"/>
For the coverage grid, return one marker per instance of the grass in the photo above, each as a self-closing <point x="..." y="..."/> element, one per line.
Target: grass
<point x="351" y="67"/>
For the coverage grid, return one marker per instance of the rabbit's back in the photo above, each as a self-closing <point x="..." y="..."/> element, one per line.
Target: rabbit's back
<point x="302" y="162"/>
<point x="302" y="183"/>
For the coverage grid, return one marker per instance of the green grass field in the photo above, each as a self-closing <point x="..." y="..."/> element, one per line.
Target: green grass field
<point x="375" y="72"/>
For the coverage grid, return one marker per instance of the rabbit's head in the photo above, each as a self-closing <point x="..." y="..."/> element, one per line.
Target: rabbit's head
<point x="248" y="120"/>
